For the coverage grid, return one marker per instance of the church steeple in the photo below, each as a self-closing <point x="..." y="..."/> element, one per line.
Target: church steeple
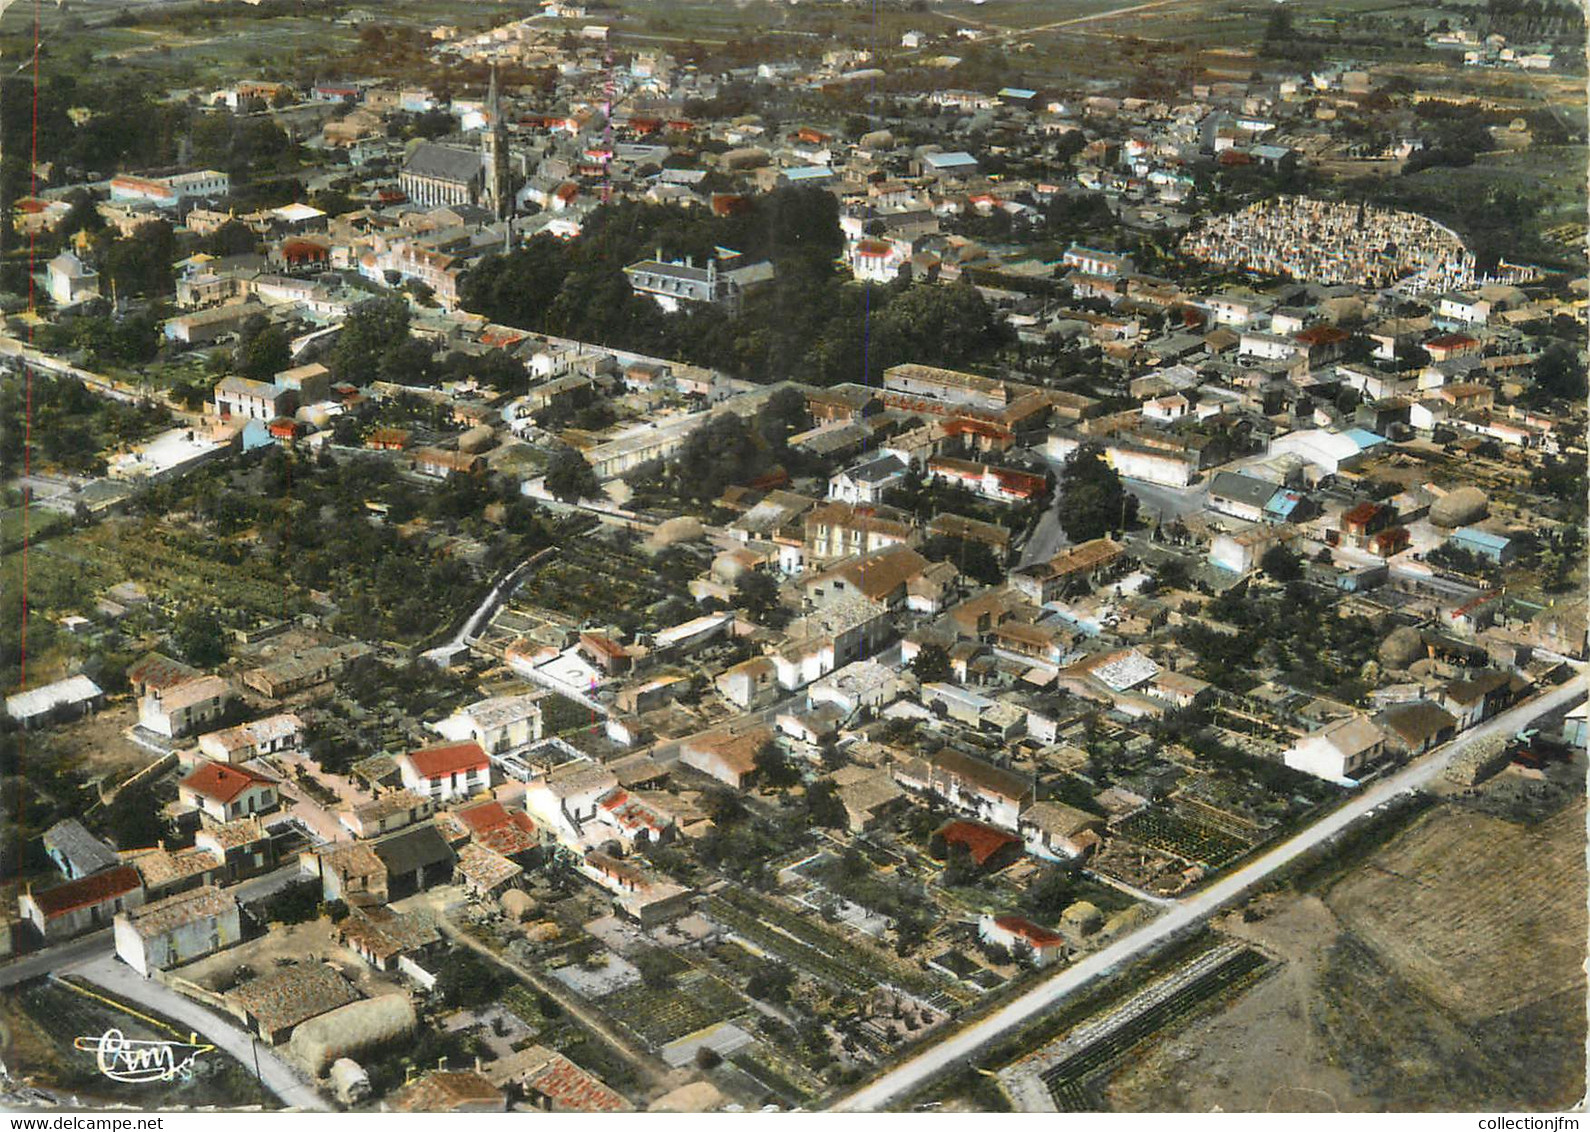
<point x="497" y="194"/>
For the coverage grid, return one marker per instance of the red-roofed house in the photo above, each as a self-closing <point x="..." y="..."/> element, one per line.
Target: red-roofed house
<point x="990" y="848"/>
<point x="81" y="905"/>
<point x="1022" y="938"/>
<point x="226" y="793"/>
<point x="492" y="825"/>
<point x="452" y="770"/>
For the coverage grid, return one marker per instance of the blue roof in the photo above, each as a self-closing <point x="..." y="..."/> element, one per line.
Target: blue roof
<point x="808" y="173"/>
<point x="1473" y="536"/>
<point x="1363" y="437"/>
<point x="256" y="434"/>
<point x="950" y="160"/>
<point x="1283" y="503"/>
<point x="1016" y="92"/>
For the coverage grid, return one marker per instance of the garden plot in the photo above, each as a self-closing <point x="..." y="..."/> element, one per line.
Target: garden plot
<point x="1177" y="831"/>
<point x="660" y="1015"/>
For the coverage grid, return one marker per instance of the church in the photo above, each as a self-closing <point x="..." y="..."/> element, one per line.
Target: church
<point x="441" y="173"/>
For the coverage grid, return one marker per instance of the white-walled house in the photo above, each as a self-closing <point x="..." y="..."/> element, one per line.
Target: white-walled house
<point x="178" y="929"/>
<point x="225" y="793"/>
<point x="184" y="708"/>
<point x="452" y="770"/>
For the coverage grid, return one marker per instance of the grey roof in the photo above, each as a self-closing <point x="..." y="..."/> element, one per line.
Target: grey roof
<point x="413" y="849"/>
<point x="876" y="471"/>
<point x="444" y="162"/>
<point x="85" y="852"/>
<point x="1242" y="489"/>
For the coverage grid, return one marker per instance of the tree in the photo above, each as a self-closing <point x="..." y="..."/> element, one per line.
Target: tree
<point x="569" y="478"/>
<point x="931" y="664"/>
<point x="1558" y="374"/>
<point x="198" y="637"/>
<point x="1048" y="894"/>
<point x="1282" y="563"/>
<point x="774" y="770"/>
<point x="757" y="592"/>
<point x="1093" y="502"/>
<point x="823" y="807"/>
<point x="708" y="1058"/>
<point x="465" y="979"/>
<point x="771" y="982"/>
<point x="263" y="349"/>
<point x="656" y="969"/>
<point x="232" y="238"/>
<point x="371" y="330"/>
<point x="133" y="819"/>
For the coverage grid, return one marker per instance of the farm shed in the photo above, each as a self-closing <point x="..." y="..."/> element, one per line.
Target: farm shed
<point x="353" y="1029"/>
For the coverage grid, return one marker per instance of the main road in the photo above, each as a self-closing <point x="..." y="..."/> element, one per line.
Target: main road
<point x="954" y="1050"/>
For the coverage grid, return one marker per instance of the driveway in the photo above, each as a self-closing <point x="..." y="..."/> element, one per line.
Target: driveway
<point x="289" y="1085"/>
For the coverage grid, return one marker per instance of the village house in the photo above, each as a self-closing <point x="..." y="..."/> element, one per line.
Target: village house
<point x="267" y="736"/>
<point x="183" y="708"/>
<point x="386" y="813"/>
<point x="1338" y="750"/>
<point x="1086" y="563"/>
<point x="252" y="400"/>
<point x="1058" y="831"/>
<point x="81" y="905"/>
<point x="1022" y="938"/>
<point x="63" y="699"/>
<point x="848" y="627"/>
<point x="75" y="851"/>
<point x="452" y="770"/>
<point x="729" y="757"/>
<point x="749" y="683"/>
<point x="274" y="1005"/>
<point x="384" y="938"/>
<point x="242" y="847"/>
<point x="988" y="792"/>
<point x="177" y="929"/>
<point x="499" y="724"/>
<point x="223" y="793"/>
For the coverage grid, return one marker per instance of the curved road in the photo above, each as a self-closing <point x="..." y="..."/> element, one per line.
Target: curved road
<point x="954" y="1050"/>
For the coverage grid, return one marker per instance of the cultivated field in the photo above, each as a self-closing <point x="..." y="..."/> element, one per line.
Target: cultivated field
<point x="1442" y="973"/>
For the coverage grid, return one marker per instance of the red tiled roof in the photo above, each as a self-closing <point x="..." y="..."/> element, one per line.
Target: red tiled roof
<point x="1362" y="514"/>
<point x="1031" y="932"/>
<point x="983" y="841"/>
<point x="1452" y="341"/>
<point x="1321" y="336"/>
<point x="87" y="891"/>
<point x="223" y="783"/>
<point x="487" y="815"/>
<point x="435" y="762"/>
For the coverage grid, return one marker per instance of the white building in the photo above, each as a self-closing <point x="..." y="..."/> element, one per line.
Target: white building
<point x="453" y="770"/>
<point x="1338" y="751"/>
<point x="185" y="707"/>
<point x="178" y="929"/>
<point x="69" y="280"/>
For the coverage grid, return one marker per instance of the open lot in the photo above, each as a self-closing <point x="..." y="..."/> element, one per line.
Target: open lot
<point x="1444" y="972"/>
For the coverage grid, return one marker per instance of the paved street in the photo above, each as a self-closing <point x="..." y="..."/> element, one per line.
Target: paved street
<point x="85" y="947"/>
<point x="955" y="1050"/>
<point x="290" y="1086"/>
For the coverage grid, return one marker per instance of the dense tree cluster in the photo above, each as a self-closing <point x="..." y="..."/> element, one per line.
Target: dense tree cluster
<point x="811" y="322"/>
<point x="1093" y="501"/>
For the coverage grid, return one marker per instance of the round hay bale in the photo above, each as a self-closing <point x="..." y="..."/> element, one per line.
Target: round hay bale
<point x="352" y="1029"/>
<point x="673" y="531"/>
<point x="518" y="905"/>
<point x="1401" y="648"/>
<point x="728" y="567"/>
<point x="1459" y="507"/>
<point x="477" y="439"/>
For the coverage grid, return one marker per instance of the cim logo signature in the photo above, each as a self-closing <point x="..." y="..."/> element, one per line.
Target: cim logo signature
<point x="137" y="1062"/>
